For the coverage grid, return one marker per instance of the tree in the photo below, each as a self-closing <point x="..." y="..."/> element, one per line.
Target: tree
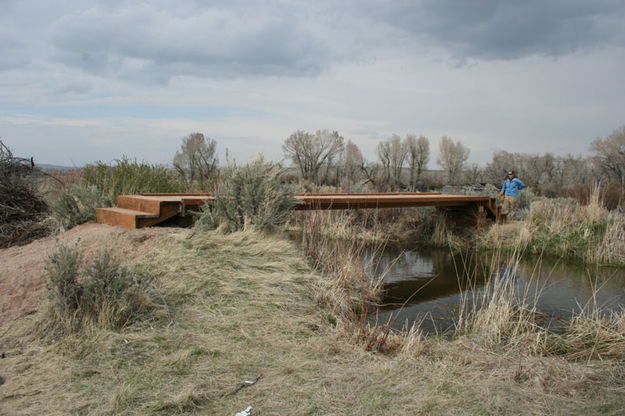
<point x="502" y="162"/>
<point x="196" y="160"/>
<point x="392" y="154"/>
<point x="312" y="152"/>
<point x="418" y="157"/>
<point x="452" y="157"/>
<point x="577" y="170"/>
<point x="353" y="162"/>
<point x="473" y="174"/>
<point x="610" y="156"/>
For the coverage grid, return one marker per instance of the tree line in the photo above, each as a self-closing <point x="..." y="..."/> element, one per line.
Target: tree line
<point x="401" y="164"/>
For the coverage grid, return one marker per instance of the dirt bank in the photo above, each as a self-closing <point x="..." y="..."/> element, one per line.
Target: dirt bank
<point x="22" y="269"/>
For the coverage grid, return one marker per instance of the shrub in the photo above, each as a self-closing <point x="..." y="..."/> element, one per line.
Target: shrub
<point x="21" y="208"/>
<point x="251" y="195"/>
<point x="127" y="176"/>
<point x="77" y="206"/>
<point x="103" y="293"/>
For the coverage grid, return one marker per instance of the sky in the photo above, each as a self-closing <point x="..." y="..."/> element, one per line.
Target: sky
<point x="89" y="80"/>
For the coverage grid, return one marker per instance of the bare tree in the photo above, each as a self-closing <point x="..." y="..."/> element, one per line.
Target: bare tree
<point x="473" y="174"/>
<point x="312" y="152"/>
<point x="577" y="170"/>
<point x="384" y="156"/>
<point x="452" y="157"/>
<point x="418" y="157"/>
<point x="353" y="162"/>
<point x="610" y="155"/>
<point x="540" y="169"/>
<point x="197" y="159"/>
<point x="392" y="154"/>
<point x="502" y="162"/>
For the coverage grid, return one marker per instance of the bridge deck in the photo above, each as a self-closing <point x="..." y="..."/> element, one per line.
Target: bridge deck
<point x="354" y="201"/>
<point x="136" y="211"/>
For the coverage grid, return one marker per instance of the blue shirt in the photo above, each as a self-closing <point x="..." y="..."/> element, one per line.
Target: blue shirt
<point x="512" y="187"/>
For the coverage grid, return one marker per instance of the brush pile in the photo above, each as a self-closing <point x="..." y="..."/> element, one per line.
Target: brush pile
<point x="22" y="208"/>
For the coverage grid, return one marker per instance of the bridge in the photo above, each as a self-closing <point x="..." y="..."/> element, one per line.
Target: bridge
<point x="144" y="210"/>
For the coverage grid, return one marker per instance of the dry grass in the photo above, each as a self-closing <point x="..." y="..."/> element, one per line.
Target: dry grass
<point x="564" y="228"/>
<point x="398" y="226"/>
<point x="592" y="335"/>
<point x="503" y="316"/>
<point x="244" y="306"/>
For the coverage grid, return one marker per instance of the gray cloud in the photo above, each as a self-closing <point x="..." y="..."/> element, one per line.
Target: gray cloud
<point x="140" y="41"/>
<point x="151" y="42"/>
<point x="494" y="29"/>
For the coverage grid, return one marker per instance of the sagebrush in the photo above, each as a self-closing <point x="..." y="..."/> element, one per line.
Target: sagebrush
<point x="251" y="195"/>
<point x="77" y="205"/>
<point x="102" y="293"/>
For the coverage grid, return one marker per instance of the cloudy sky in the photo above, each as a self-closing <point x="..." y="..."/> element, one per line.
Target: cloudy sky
<point x="87" y="80"/>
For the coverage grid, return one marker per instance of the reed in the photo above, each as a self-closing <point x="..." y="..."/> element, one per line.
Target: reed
<point x="501" y="314"/>
<point x="348" y="292"/>
<point x="587" y="233"/>
<point x="397" y="226"/>
<point x="126" y="176"/>
<point x="564" y="228"/>
<point x="591" y="335"/>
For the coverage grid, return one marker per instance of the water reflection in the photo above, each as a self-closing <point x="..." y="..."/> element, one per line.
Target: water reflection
<point x="426" y="285"/>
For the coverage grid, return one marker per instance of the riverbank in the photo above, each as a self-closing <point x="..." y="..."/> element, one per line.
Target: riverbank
<point x="554" y="227"/>
<point x="247" y="307"/>
<point x="565" y="229"/>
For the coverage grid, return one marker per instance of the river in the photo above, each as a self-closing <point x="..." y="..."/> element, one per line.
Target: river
<point x="428" y="285"/>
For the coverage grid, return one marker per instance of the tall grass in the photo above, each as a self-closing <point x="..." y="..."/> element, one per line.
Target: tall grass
<point x="503" y="317"/>
<point x="562" y="227"/>
<point x="126" y="176"/>
<point x="588" y="233"/>
<point x="349" y="293"/>
<point x="591" y="335"/>
<point x="501" y="314"/>
<point x="398" y="226"/>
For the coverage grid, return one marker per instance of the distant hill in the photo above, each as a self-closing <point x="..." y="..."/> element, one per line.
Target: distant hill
<point x="46" y="166"/>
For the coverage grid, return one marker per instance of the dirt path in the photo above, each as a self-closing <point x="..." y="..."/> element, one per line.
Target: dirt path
<point x="22" y="269"/>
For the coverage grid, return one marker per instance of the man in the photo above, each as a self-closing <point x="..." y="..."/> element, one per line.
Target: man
<point x="510" y="193"/>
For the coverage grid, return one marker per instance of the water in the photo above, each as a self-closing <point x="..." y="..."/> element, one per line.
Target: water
<point x="423" y="286"/>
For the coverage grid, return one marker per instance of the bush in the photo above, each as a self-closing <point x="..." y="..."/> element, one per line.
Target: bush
<point x="103" y="293"/>
<point x="77" y="206"/>
<point x="251" y="195"/>
<point x="22" y="208"/>
<point x="130" y="177"/>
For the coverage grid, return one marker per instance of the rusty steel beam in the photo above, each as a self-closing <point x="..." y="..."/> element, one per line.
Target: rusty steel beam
<point x="357" y="201"/>
<point x="135" y="211"/>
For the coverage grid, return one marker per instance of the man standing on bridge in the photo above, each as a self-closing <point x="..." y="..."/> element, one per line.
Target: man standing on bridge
<point x="510" y="193"/>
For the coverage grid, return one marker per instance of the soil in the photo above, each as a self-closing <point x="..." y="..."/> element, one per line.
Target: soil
<point x="23" y="275"/>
